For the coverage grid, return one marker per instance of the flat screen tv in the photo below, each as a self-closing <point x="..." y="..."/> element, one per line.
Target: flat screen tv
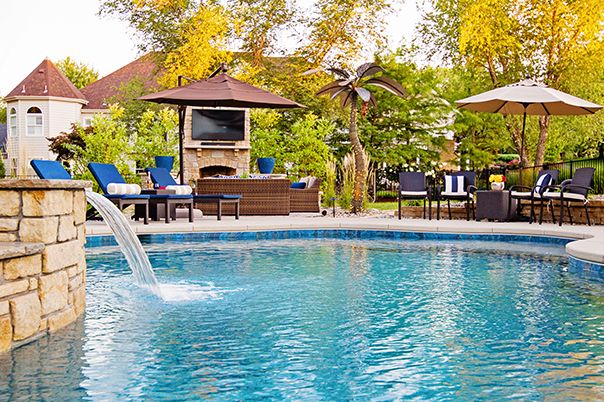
<point x="218" y="125"/>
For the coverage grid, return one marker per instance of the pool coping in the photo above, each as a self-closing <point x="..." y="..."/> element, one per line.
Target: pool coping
<point x="586" y="242"/>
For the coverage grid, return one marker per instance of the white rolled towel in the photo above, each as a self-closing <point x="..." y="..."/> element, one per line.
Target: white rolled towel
<point x="123" y="189"/>
<point x="181" y="190"/>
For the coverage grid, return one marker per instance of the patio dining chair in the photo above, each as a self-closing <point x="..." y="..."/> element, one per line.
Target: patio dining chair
<point x="163" y="178"/>
<point x="545" y="178"/>
<point x="106" y="174"/>
<point x="412" y="186"/>
<point x="459" y="186"/>
<point x="571" y="191"/>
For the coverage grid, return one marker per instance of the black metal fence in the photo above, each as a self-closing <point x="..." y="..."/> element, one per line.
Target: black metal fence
<point x="529" y="174"/>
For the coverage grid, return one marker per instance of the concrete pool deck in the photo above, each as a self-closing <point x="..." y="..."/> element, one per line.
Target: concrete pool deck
<point x="589" y="245"/>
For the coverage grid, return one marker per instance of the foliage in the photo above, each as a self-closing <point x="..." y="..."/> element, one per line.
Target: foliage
<point x="2" y="169"/>
<point x="63" y="144"/>
<point x="79" y="74"/>
<point x="156" y="135"/>
<point x="106" y="142"/>
<point x="329" y="183"/>
<point x="349" y="87"/>
<point x="132" y="108"/>
<point x="346" y="182"/>
<point x="2" y="111"/>
<point x="300" y="152"/>
<point x="555" y="41"/>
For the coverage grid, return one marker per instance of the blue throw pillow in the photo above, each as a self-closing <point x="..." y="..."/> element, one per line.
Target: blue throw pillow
<point x="298" y="185"/>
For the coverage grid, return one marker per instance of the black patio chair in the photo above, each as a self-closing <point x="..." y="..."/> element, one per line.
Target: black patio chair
<point x="412" y="186"/>
<point x="571" y="190"/>
<point x="518" y="192"/>
<point x="465" y="194"/>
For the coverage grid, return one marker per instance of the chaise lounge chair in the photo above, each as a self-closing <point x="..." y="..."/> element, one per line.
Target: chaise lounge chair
<point x="162" y="178"/>
<point x="105" y="174"/>
<point x="54" y="170"/>
<point x="459" y="186"/>
<point x="412" y="186"/>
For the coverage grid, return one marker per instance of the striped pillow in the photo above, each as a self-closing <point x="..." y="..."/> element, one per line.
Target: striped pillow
<point x="543" y="181"/>
<point x="454" y="184"/>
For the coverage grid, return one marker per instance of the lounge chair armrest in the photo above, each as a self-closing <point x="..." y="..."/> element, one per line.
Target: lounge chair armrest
<point x="566" y="182"/>
<point x="519" y="187"/>
<point x="471" y="188"/>
<point x="571" y="186"/>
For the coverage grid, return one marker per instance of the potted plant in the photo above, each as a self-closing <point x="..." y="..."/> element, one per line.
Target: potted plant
<point x="266" y="165"/>
<point x="497" y="182"/>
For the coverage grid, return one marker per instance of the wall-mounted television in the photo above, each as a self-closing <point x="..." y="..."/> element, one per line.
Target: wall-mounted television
<point x="218" y="125"/>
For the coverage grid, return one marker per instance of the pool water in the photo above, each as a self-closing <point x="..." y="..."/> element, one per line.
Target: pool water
<point x="326" y="319"/>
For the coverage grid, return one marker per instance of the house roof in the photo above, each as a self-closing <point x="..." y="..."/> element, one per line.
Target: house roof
<point x="46" y="80"/>
<point x="144" y="68"/>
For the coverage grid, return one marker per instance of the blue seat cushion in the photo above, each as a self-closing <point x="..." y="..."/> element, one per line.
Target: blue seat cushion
<point x="49" y="170"/>
<point x="170" y="196"/>
<point x="298" y="185"/>
<point x="127" y="196"/>
<point x="104" y="174"/>
<point x="161" y="176"/>
<point x="216" y="196"/>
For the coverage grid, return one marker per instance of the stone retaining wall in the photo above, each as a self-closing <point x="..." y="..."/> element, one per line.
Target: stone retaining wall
<point x="42" y="262"/>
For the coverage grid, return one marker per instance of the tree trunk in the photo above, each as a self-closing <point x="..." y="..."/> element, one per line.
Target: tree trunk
<point x="360" y="167"/>
<point x="516" y="133"/>
<point x="543" y="132"/>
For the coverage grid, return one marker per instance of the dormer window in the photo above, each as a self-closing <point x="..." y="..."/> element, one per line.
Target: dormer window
<point x="35" y="122"/>
<point x="12" y="121"/>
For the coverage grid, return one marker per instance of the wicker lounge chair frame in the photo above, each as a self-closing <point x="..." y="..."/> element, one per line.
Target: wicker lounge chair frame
<point x="534" y="194"/>
<point x="467" y="196"/>
<point x="412" y="186"/>
<point x="572" y="190"/>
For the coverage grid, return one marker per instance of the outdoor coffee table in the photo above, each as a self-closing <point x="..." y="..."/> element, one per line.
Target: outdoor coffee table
<point x="495" y="205"/>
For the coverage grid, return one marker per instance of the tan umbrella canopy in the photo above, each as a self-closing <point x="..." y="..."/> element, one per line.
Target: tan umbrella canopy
<point x="528" y="97"/>
<point x="219" y="90"/>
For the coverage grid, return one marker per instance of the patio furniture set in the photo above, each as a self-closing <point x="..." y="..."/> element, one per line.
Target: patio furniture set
<point x="214" y="196"/>
<point x="499" y="205"/>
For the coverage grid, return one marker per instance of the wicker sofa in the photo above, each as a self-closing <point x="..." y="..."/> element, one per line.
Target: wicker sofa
<point x="307" y="199"/>
<point x="259" y="196"/>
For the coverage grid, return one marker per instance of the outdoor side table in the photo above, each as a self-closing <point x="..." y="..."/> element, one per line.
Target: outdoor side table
<point x="495" y="205"/>
<point x="156" y="210"/>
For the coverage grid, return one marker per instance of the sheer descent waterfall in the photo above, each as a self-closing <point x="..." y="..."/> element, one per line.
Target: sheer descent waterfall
<point x="128" y="242"/>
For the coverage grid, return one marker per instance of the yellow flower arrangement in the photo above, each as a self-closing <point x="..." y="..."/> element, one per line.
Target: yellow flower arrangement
<point x="497" y="178"/>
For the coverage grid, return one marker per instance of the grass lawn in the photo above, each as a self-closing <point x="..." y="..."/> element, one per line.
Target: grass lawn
<point x="383" y="206"/>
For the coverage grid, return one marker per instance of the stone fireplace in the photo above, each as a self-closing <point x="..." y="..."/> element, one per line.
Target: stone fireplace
<point x="209" y="158"/>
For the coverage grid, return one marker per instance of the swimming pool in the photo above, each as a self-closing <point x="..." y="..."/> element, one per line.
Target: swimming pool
<point x="337" y="317"/>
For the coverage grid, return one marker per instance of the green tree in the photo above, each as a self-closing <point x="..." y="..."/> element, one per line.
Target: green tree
<point x="553" y="41"/>
<point x="2" y="111"/>
<point x="106" y="142"/>
<point x="133" y="109"/>
<point x="79" y="74"/>
<point x="350" y="88"/>
<point x="156" y="135"/>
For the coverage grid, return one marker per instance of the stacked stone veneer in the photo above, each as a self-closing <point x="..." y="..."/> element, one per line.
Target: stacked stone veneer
<point x="42" y="263"/>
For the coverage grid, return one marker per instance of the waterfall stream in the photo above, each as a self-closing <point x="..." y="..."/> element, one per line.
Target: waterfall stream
<point x="127" y="241"/>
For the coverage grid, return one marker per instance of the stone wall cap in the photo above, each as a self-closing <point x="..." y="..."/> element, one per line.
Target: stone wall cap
<point x="39" y="184"/>
<point x="18" y="249"/>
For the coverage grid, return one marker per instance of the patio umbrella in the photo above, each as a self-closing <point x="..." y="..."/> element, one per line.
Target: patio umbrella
<point x="528" y="97"/>
<point x="219" y="90"/>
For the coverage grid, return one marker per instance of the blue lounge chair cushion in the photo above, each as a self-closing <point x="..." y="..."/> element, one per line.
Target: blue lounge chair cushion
<point x="49" y="170"/>
<point x="127" y="196"/>
<point x="161" y="176"/>
<point x="171" y="196"/>
<point x="298" y="185"/>
<point x="105" y="173"/>
<point x="213" y="196"/>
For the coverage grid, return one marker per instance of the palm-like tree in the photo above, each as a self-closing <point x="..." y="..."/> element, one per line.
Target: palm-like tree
<point x="350" y="88"/>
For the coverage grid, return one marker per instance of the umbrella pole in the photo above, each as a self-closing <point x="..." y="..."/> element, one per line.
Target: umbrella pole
<point x="522" y="145"/>
<point x="181" y="137"/>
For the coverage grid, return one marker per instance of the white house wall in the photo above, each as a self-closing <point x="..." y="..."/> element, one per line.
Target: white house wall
<point x="58" y="115"/>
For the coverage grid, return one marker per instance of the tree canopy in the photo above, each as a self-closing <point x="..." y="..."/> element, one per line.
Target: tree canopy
<point x="79" y="74"/>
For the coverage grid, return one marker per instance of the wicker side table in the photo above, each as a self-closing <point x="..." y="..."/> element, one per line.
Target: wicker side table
<point x="495" y="205"/>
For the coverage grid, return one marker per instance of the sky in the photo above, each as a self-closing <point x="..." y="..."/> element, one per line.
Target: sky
<point x="36" y="29"/>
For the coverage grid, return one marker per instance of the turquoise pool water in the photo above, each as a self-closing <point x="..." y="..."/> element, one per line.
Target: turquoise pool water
<point x="326" y="319"/>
